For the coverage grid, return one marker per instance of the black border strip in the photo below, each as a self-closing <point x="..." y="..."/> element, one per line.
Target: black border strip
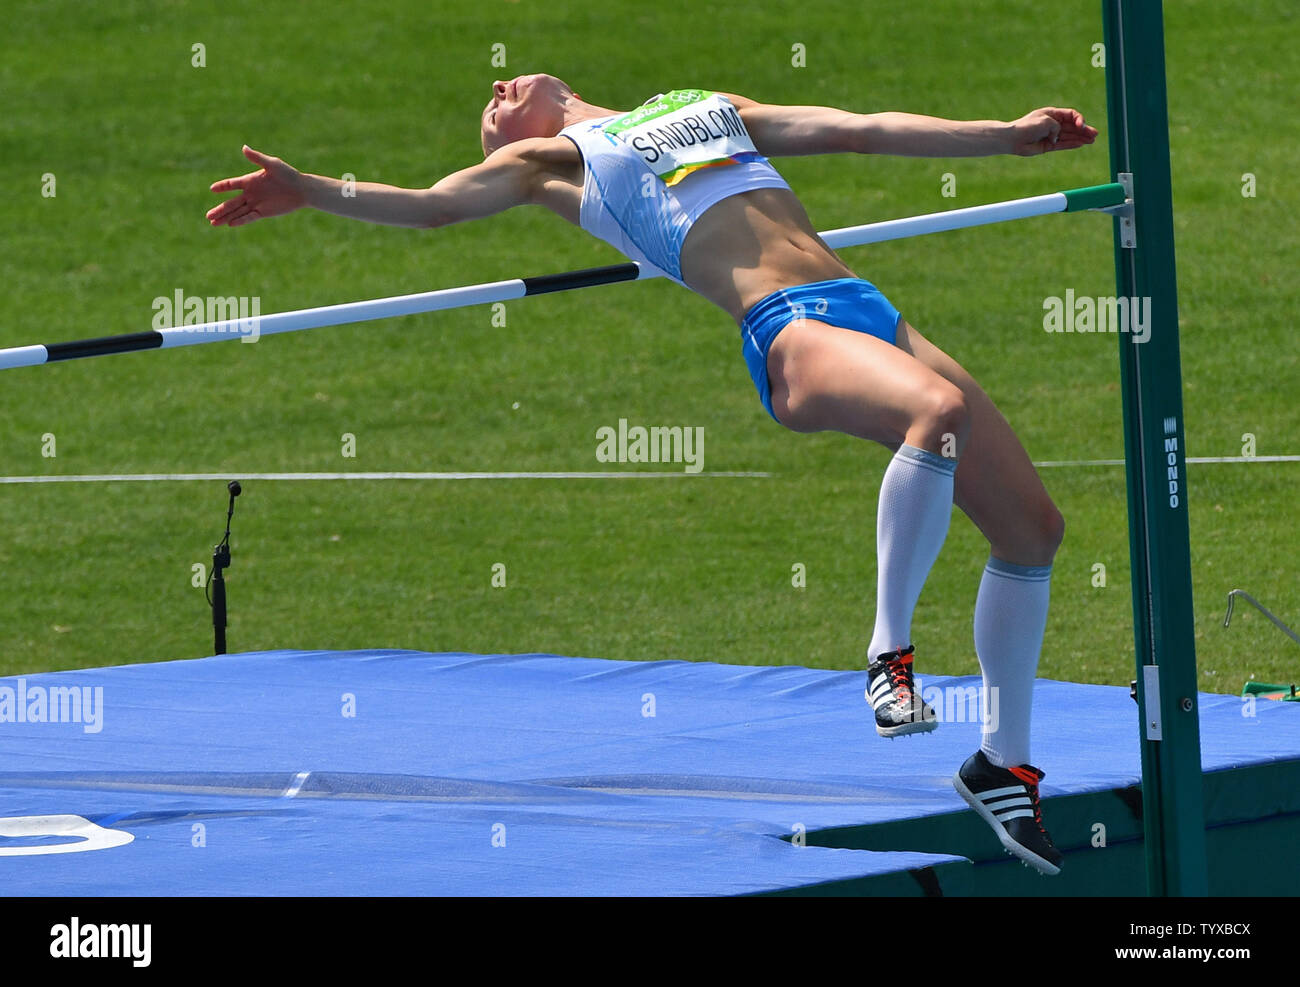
<point x="150" y="340"/>
<point x="585" y="278"/>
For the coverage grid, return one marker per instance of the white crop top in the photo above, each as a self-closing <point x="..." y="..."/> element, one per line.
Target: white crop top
<point x="648" y="175"/>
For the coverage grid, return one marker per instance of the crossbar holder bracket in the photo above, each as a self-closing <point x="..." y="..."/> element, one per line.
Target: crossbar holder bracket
<point x="1127" y="229"/>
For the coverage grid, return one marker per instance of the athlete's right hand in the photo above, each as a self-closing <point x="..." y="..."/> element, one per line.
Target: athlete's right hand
<point x="1050" y="129"/>
<point x="273" y="190"/>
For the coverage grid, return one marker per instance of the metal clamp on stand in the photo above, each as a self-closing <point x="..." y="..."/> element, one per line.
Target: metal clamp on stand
<point x="1127" y="229"/>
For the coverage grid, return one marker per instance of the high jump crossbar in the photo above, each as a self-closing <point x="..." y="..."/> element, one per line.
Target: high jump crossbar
<point x="1110" y="197"/>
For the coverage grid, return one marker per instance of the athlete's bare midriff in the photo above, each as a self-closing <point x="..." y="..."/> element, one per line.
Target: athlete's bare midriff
<point x="751" y="244"/>
<point x="737" y="253"/>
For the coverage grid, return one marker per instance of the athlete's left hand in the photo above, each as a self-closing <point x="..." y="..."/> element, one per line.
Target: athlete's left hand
<point x="1050" y="129"/>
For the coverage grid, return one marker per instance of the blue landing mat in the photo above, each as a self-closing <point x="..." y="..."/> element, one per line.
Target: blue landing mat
<point x="399" y="772"/>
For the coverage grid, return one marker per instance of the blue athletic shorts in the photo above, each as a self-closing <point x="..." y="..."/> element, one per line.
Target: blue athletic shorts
<point x="849" y="303"/>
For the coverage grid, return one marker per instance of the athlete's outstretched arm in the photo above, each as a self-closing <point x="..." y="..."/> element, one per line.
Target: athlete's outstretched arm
<point x="780" y="131"/>
<point x="1051" y="128"/>
<point x="506" y="178"/>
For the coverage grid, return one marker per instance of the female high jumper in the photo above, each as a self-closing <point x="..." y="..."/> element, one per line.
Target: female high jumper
<point x="682" y="184"/>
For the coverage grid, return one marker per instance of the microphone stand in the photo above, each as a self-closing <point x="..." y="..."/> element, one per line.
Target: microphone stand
<point x="220" y="561"/>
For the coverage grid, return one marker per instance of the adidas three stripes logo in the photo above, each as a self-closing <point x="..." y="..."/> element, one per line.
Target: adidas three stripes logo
<point x="1008" y="803"/>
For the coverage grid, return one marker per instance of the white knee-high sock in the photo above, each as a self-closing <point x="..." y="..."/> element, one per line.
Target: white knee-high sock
<point x="911" y="523"/>
<point x="1010" y="617"/>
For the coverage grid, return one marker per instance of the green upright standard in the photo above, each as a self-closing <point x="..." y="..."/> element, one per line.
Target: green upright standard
<point x="1151" y="376"/>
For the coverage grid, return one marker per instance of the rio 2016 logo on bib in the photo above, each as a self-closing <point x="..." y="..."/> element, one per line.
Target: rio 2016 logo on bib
<point x="683" y="131"/>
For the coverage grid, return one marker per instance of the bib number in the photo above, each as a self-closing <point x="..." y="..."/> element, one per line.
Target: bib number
<point x="683" y="131"/>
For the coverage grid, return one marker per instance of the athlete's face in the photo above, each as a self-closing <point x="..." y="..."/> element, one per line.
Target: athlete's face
<point x="525" y="106"/>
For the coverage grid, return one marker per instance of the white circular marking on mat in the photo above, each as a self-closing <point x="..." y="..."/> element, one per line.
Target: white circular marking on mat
<point x="87" y="834"/>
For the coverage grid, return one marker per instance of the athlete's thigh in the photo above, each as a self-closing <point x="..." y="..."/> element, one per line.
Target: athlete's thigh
<point x="825" y="378"/>
<point x="996" y="484"/>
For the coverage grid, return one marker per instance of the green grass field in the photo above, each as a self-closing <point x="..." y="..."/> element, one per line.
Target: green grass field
<point x="105" y="99"/>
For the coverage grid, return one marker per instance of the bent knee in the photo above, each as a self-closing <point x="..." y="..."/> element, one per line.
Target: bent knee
<point x="1041" y="535"/>
<point x="1032" y="538"/>
<point x="1051" y="528"/>
<point x="942" y="415"/>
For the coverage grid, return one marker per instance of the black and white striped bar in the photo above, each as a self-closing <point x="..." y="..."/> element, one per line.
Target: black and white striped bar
<point x="314" y="318"/>
<point x="1094" y="197"/>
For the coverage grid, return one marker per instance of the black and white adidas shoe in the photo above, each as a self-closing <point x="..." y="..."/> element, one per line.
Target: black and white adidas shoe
<point x="1007" y="799"/>
<point x="892" y="694"/>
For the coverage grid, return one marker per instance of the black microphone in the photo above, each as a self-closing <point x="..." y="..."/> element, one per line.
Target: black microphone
<point x="220" y="561"/>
